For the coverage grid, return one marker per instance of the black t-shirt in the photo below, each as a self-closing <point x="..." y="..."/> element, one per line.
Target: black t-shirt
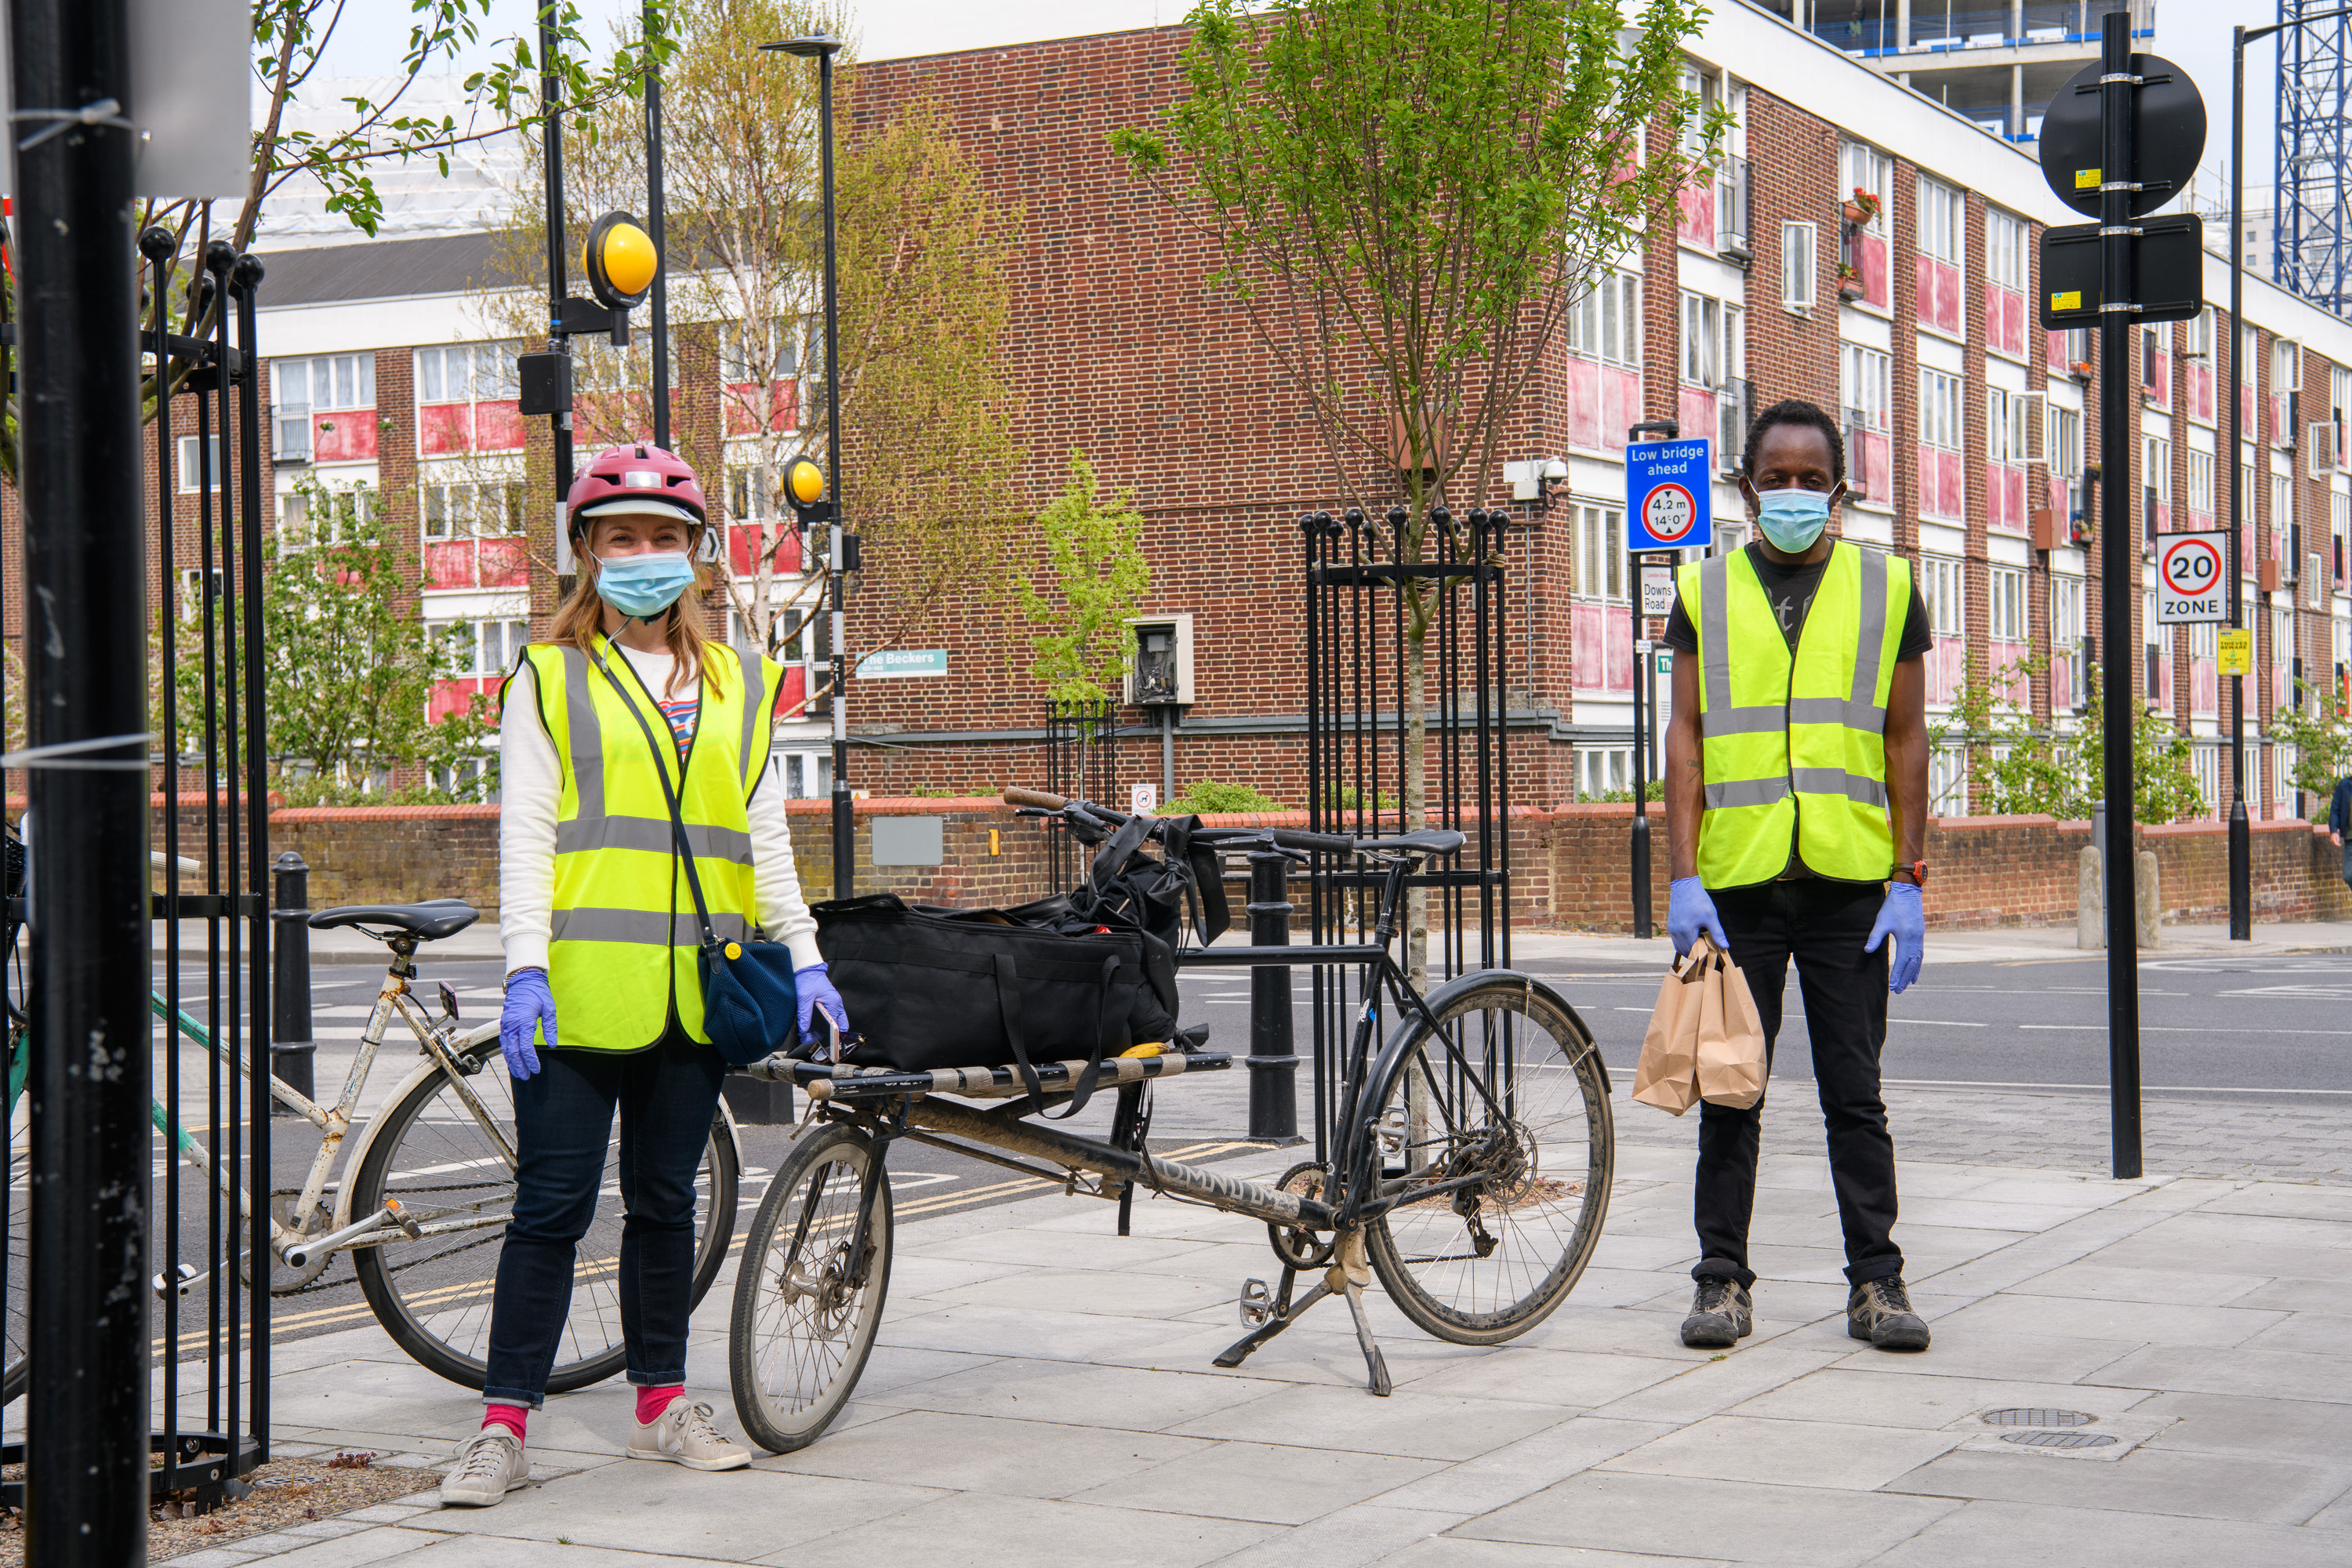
<point x="1791" y="590"/>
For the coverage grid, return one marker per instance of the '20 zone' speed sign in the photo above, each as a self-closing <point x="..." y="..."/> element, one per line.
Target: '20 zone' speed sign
<point x="2192" y="578"/>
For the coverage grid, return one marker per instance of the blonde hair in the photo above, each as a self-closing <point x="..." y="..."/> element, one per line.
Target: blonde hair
<point x="580" y="620"/>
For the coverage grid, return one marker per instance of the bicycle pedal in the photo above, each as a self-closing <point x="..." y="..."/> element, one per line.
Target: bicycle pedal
<point x="166" y="1286"/>
<point x="1256" y="1304"/>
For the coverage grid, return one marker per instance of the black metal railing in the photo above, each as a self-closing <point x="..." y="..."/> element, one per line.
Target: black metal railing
<point x="1080" y="765"/>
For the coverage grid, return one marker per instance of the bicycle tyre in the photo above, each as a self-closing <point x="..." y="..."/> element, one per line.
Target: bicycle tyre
<point x="789" y="1386"/>
<point x="1539" y="1062"/>
<point x="19" y="1371"/>
<point x="443" y="1328"/>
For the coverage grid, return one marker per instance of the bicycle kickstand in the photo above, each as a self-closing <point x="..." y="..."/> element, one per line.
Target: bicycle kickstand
<point x="1346" y="1277"/>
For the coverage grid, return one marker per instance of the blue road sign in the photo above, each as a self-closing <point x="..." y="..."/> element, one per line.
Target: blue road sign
<point x="1668" y="487"/>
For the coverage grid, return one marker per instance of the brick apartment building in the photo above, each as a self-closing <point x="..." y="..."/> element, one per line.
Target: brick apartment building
<point x="1969" y="428"/>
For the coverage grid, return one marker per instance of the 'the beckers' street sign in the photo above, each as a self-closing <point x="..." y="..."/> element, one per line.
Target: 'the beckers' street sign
<point x="2192" y="577"/>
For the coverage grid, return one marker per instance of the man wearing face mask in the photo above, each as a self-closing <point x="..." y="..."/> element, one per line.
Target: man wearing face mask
<point x="625" y="708"/>
<point x="1796" y="805"/>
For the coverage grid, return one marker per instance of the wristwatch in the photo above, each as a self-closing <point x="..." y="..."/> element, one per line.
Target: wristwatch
<point x="1918" y="869"/>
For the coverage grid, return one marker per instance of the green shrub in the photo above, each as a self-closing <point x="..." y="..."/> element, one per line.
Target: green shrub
<point x="1208" y="796"/>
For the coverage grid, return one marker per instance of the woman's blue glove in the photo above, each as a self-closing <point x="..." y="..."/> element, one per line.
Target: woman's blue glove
<point x="530" y="1008"/>
<point x="1690" y="912"/>
<point x="815" y="989"/>
<point x="1902" y="916"/>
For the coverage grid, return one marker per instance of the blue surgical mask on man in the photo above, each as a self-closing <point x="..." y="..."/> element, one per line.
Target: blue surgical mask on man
<point x="646" y="584"/>
<point x="1792" y="519"/>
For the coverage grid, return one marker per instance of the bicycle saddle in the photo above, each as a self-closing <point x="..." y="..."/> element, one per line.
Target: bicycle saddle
<point x="427" y="922"/>
<point x="1420" y="841"/>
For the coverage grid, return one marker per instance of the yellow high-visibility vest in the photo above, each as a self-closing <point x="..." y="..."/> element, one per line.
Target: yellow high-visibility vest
<point x="1795" y="753"/>
<point x="621" y="961"/>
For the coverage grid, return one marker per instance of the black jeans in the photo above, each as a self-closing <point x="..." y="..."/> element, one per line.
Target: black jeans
<point x="564" y="1124"/>
<point x="1822" y="925"/>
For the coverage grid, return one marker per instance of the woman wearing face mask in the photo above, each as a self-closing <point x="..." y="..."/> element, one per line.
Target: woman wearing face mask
<point x="604" y="1006"/>
<point x="1796" y="804"/>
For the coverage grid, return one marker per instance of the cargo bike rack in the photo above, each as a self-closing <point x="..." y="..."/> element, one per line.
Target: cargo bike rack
<point x="1471" y="1159"/>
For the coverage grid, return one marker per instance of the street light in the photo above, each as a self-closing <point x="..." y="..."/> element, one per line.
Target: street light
<point x="824" y="47"/>
<point x="2241" y="896"/>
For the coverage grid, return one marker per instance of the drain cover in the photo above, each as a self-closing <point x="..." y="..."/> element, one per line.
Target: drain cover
<point x="2058" y="1440"/>
<point x="2021" y="1418"/>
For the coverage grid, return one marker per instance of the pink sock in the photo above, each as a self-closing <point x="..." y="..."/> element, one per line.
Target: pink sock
<point x="652" y="1402"/>
<point x="511" y="1417"/>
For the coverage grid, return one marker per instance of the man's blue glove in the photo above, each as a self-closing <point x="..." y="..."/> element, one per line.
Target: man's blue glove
<point x="1902" y="916"/>
<point x="530" y="1008"/>
<point x="815" y="989"/>
<point x="1690" y="912"/>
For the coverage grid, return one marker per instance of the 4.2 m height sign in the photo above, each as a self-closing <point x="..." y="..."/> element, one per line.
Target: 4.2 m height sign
<point x="2193" y="578"/>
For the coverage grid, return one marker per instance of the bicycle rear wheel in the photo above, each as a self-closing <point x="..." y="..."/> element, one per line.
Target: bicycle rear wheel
<point x="433" y="1296"/>
<point x="1500" y="1194"/>
<point x="16" y="1371"/>
<point x="807" y="1308"/>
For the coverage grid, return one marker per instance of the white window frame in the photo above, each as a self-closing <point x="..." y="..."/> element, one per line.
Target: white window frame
<point x="478" y="363"/>
<point x="2201" y="481"/>
<point x="184" y="459"/>
<point x="1939" y="409"/>
<point x="2062" y="440"/>
<point x="1601" y="553"/>
<point x="1943" y="586"/>
<point x="2286" y="365"/>
<point x="1704" y="340"/>
<point x="2005" y="604"/>
<point x="1605" y="324"/>
<point x="1942" y="223"/>
<point x="1799" y="244"/>
<point x="1862" y="166"/>
<point x="2005" y="262"/>
<point x="1866" y="384"/>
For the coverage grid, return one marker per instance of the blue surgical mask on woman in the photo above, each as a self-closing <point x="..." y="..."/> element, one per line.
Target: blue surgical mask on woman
<point x="643" y="586"/>
<point x="1792" y="519"/>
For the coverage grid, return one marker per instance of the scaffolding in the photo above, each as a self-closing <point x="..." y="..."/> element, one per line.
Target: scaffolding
<point x="2314" y="254"/>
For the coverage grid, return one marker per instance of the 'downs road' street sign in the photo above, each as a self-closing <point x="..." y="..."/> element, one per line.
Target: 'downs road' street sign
<point x="1668" y="487"/>
<point x="2192" y="578"/>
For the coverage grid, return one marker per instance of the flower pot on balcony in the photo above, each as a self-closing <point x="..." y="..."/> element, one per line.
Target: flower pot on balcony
<point x="1848" y="293"/>
<point x="1854" y="214"/>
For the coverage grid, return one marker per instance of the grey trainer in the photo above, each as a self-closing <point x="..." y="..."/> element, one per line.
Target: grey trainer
<point x="1721" y="1315"/>
<point x="683" y="1435"/>
<point x="491" y="1464"/>
<point x="1880" y="1310"/>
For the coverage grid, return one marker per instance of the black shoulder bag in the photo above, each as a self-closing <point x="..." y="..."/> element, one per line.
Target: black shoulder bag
<point x="750" y="1006"/>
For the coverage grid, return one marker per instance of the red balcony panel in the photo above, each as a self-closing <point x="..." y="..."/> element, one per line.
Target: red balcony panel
<point x="2018" y="689"/>
<point x="792" y="695"/>
<point x="346" y="435"/>
<point x="1878" y="463"/>
<point x="1876" y="280"/>
<point x="1698" y="413"/>
<point x="2199" y="389"/>
<point x="2199" y="521"/>
<point x="499" y="427"/>
<point x="1943" y="486"/>
<point x="1695" y="221"/>
<point x="504" y="563"/>
<point x="2005" y="320"/>
<point x="1939" y="294"/>
<point x="1619" y="646"/>
<point x="1601" y="645"/>
<point x="2061" y="685"/>
<point x="2164" y="683"/>
<point x="444" y="428"/>
<point x="1621" y="406"/>
<point x="2279" y="433"/>
<point x="2204" y="688"/>
<point x="743" y="547"/>
<point x="1584" y="402"/>
<point x="2156" y="378"/>
<point x="458" y="696"/>
<point x="449" y="564"/>
<point x="1947" y="666"/>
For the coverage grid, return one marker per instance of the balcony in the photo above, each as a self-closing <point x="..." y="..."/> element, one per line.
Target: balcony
<point x="1735" y="409"/>
<point x="1731" y="211"/>
<point x="1873" y="27"/>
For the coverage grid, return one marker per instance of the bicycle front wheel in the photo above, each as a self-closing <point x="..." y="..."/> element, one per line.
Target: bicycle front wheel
<point x="1493" y="1142"/>
<point x="808" y="1297"/>
<point x="435" y="1153"/>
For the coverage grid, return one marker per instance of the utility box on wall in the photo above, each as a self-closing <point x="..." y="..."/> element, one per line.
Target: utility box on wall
<point x="1161" y="675"/>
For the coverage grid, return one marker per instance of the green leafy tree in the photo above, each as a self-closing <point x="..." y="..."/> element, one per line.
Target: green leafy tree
<point x="1408" y="196"/>
<point x="2017" y="769"/>
<point x="1093" y="553"/>
<point x="348" y="669"/>
<point x="2317" y="726"/>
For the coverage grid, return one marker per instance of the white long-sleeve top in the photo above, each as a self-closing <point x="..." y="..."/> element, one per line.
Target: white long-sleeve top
<point x="530" y="788"/>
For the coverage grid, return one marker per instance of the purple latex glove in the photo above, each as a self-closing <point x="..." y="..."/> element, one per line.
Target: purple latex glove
<point x="1905" y="919"/>
<point x="529" y="1009"/>
<point x="815" y="989"/>
<point x="1690" y="912"/>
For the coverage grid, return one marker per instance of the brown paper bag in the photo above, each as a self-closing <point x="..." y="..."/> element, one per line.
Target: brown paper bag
<point x="1731" y="1063"/>
<point x="1667" y="1074"/>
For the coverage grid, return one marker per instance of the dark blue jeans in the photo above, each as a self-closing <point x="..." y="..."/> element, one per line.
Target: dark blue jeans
<point x="563" y="1124"/>
<point x="1821" y="924"/>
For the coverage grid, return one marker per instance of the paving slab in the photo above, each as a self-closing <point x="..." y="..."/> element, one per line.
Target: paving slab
<point x="981" y="1530"/>
<point x="1899" y="1399"/>
<point x="2192" y="1369"/>
<point x="2147" y="1480"/>
<point x="2002" y="1534"/>
<point x="1081" y="1393"/>
<point x="1455" y="1551"/>
<point x="1268" y="1483"/>
<point x="1517" y="1470"/>
<point x="986" y="1454"/>
<point x="732" y="1516"/>
<point x="1408" y="1423"/>
<point x="1811" y="1527"/>
<point x="2017" y="1313"/>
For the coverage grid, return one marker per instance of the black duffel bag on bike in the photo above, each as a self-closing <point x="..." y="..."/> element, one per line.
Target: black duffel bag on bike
<point x="932" y="987"/>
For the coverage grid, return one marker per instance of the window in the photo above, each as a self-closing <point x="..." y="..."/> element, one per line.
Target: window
<point x="2072" y="348"/>
<point x="1939" y="410"/>
<point x="2062" y="440"/>
<point x="1941" y="221"/>
<point x="1865" y="379"/>
<point x="2283" y="523"/>
<point x="1705" y="91"/>
<point x="2006" y="612"/>
<point x="748" y="501"/>
<point x="1702" y="337"/>
<point x="1798" y="241"/>
<point x="1942" y="586"/>
<point x="328" y="382"/>
<point x="744" y="352"/>
<point x="2196" y="335"/>
<point x="2200" y="482"/>
<point x="2154" y="379"/>
<point x="1947" y="782"/>
<point x="2004" y="250"/>
<point x="2006" y="438"/>
<point x="1861" y="167"/>
<point x="466" y="510"/>
<point x="193" y="477"/>
<point x="1606" y="325"/>
<point x="464" y="372"/>
<point x="2286" y="365"/>
<point x="481" y="647"/>
<point x="320" y="516"/>
<point x="1600" y="552"/>
<point x="2156" y="467"/>
<point x="2066" y="629"/>
<point x="2340" y="525"/>
<point x="1601" y="771"/>
<point x="2201" y="644"/>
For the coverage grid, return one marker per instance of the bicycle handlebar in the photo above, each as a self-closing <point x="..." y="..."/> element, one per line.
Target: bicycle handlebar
<point x="1034" y="797"/>
<point x="1329" y="843"/>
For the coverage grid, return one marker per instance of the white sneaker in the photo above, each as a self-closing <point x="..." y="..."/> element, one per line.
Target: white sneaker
<point x="491" y="1464"/>
<point x="683" y="1435"/>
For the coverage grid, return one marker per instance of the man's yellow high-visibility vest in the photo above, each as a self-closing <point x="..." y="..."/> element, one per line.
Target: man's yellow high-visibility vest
<point x="621" y="961"/>
<point x="1795" y="759"/>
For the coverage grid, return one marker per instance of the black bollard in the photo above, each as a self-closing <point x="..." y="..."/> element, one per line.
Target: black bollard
<point x="292" y="1046"/>
<point x="1273" y="1067"/>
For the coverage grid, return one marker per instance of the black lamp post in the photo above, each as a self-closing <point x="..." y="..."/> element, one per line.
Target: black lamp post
<point x="2241" y="897"/>
<point x="824" y="47"/>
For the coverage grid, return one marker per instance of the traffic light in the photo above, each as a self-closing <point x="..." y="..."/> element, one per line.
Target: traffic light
<point x="620" y="261"/>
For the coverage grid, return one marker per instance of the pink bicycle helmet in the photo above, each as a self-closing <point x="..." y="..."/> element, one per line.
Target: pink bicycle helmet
<point x="637" y="478"/>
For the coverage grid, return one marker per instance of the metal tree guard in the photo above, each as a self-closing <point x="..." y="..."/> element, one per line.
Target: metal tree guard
<point x="1079" y="765"/>
<point x="1358" y="603"/>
